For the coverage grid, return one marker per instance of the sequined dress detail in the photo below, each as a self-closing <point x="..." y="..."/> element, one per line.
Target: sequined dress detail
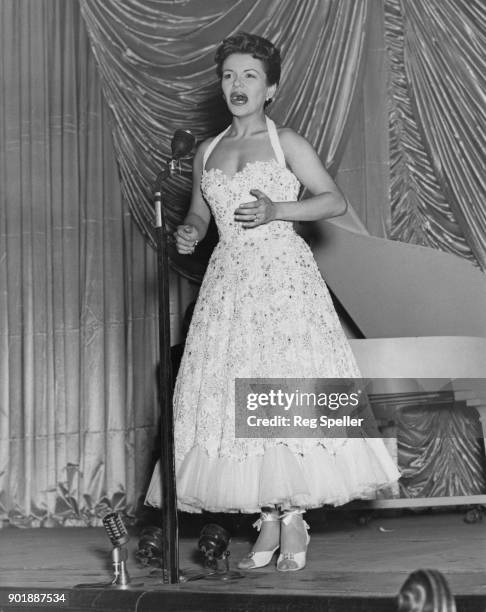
<point x="263" y="310"/>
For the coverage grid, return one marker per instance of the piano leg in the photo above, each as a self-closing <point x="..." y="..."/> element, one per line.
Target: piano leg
<point x="390" y="440"/>
<point x="482" y="417"/>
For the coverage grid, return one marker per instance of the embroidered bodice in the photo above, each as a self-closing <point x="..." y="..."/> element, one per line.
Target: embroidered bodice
<point x="225" y="193"/>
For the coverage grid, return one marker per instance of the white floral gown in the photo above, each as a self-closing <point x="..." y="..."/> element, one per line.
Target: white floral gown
<point x="263" y="311"/>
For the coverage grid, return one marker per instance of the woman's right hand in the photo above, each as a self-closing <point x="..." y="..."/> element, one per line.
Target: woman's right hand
<point x="186" y="239"/>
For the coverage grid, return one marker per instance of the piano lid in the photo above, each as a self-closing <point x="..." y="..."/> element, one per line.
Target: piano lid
<point x="395" y="289"/>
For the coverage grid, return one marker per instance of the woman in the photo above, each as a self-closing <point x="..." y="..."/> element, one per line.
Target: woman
<point x="263" y="311"/>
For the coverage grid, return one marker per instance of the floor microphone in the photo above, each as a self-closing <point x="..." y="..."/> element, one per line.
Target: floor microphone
<point x="115" y="529"/>
<point x="118" y="534"/>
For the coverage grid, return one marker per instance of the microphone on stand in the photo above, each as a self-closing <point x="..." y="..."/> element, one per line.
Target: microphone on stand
<point x="115" y="529"/>
<point x="181" y="145"/>
<point x="118" y="534"/>
<point x="213" y="543"/>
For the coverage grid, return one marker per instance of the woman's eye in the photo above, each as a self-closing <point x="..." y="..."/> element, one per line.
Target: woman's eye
<point x="252" y="76"/>
<point x="226" y="76"/>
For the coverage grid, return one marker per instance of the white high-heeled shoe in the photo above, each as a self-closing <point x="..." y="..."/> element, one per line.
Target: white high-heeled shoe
<point x="291" y="562"/>
<point x="263" y="557"/>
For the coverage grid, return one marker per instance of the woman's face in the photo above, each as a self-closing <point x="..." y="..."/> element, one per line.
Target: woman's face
<point x="244" y="84"/>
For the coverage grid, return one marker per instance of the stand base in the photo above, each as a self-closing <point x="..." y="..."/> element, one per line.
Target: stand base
<point x="225" y="576"/>
<point x="192" y="575"/>
<point x="109" y="585"/>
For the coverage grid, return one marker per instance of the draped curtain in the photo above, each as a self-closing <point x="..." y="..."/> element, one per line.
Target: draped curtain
<point x="158" y="73"/>
<point x="437" y="94"/>
<point x="440" y="451"/>
<point x="77" y="307"/>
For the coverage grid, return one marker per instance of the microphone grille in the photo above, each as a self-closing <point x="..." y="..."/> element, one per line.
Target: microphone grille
<point x="115" y="529"/>
<point x="182" y="143"/>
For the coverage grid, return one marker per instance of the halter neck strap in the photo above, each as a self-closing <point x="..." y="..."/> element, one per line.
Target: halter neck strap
<point x="212" y="144"/>
<point x="275" y="142"/>
<point x="272" y="134"/>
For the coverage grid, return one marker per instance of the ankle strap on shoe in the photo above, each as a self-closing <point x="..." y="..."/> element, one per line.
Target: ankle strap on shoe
<point x="265" y="516"/>
<point x="286" y="517"/>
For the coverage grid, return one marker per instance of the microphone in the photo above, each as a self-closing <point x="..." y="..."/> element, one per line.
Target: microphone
<point x="182" y="143"/>
<point x="213" y="543"/>
<point x="115" y="529"/>
<point x="118" y="534"/>
<point x="426" y="589"/>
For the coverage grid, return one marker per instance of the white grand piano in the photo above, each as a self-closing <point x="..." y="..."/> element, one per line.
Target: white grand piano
<point x="420" y="315"/>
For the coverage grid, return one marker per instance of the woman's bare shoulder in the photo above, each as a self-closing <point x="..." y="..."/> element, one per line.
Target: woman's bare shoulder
<point x="293" y="144"/>
<point x="203" y="145"/>
<point x="287" y="132"/>
<point x="201" y="149"/>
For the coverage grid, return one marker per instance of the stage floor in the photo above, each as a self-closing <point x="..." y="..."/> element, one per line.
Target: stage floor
<point x="344" y="560"/>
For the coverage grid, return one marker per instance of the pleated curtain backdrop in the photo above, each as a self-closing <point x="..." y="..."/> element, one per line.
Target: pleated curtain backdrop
<point x="78" y="329"/>
<point x="437" y="93"/>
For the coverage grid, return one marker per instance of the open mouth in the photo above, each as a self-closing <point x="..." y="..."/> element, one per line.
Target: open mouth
<point x="238" y="98"/>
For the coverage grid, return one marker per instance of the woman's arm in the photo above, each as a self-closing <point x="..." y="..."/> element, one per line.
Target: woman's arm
<point x="196" y="222"/>
<point x="327" y="201"/>
<point x="198" y="214"/>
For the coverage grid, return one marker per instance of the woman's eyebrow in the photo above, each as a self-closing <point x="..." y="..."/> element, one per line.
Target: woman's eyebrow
<point x="244" y="70"/>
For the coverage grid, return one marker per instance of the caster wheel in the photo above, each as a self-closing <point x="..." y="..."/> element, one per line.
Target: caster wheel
<point x="474" y="515"/>
<point x="364" y="519"/>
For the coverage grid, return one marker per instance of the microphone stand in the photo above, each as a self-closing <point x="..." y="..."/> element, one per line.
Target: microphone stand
<point x="119" y="538"/>
<point x="119" y="557"/>
<point x="170" y="544"/>
<point x="181" y="145"/>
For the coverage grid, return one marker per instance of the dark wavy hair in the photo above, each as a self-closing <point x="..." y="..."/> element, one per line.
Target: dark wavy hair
<point x="256" y="46"/>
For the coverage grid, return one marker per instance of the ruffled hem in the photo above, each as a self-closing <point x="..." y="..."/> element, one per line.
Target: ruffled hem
<point x="357" y="470"/>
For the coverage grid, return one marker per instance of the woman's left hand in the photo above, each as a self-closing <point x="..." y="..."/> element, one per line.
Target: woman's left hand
<point x="252" y="214"/>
